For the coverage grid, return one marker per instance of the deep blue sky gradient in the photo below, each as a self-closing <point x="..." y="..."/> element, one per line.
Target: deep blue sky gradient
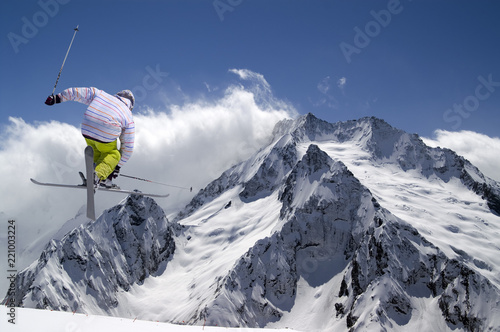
<point x="419" y="65"/>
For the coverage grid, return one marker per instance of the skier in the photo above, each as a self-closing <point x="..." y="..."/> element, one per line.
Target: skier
<point x="107" y="119"/>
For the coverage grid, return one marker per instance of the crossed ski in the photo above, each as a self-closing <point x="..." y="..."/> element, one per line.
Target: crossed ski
<point x="89" y="186"/>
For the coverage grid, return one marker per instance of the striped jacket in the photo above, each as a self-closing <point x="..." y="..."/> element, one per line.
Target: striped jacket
<point x="106" y="119"/>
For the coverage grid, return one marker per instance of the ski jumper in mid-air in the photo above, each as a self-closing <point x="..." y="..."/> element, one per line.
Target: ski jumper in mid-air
<point x="107" y="119"/>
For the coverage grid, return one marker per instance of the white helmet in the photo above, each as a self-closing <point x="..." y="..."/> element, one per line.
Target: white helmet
<point x="129" y="95"/>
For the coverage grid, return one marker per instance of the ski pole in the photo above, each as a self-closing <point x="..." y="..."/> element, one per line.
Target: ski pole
<point x="60" y="70"/>
<point x="163" y="184"/>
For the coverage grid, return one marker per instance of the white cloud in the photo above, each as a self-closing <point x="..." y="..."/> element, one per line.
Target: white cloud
<point x="249" y="75"/>
<point x="190" y="146"/>
<point x="210" y="88"/>
<point x="481" y="150"/>
<point x="341" y="83"/>
<point x="330" y="97"/>
<point x="324" y="85"/>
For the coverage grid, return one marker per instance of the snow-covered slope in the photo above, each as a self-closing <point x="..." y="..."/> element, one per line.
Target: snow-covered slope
<point x="348" y="226"/>
<point x="45" y="320"/>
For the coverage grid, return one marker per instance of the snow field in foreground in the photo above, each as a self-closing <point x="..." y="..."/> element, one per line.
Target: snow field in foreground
<point x="57" y="321"/>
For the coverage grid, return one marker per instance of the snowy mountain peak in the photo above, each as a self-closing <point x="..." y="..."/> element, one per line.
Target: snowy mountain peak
<point x="315" y="172"/>
<point x="89" y="265"/>
<point x="314" y="159"/>
<point x="309" y="127"/>
<point x="338" y="242"/>
<point x="352" y="226"/>
<point x="386" y="145"/>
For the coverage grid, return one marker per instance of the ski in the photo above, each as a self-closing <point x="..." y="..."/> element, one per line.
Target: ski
<point x="88" y="184"/>
<point x="89" y="168"/>
<point x="80" y="186"/>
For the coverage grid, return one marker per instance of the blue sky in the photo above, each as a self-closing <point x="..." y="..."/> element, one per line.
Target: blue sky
<point x="412" y="63"/>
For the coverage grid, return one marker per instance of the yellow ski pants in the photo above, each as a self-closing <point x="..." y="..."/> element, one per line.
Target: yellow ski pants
<point x="106" y="157"/>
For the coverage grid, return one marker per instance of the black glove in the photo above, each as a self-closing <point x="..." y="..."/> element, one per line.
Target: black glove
<point x="115" y="173"/>
<point x="51" y="100"/>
